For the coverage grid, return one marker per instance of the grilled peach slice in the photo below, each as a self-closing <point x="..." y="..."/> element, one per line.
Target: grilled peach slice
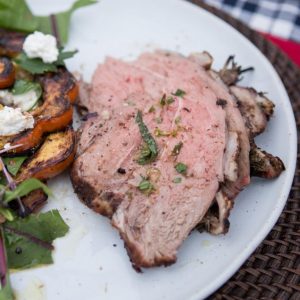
<point x="59" y="92"/>
<point x="11" y="43"/>
<point x="53" y="157"/>
<point x="7" y="73"/>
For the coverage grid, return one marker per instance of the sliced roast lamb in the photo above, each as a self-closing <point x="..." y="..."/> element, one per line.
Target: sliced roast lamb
<point x="165" y="148"/>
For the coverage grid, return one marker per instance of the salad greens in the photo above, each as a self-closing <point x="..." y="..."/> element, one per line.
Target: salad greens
<point x="16" y="15"/>
<point x="14" y="164"/>
<point x="24" y="241"/>
<point x="37" y="66"/>
<point x="29" y="241"/>
<point x="24" y="188"/>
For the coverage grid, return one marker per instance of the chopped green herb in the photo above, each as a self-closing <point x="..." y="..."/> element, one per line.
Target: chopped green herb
<point x="177" y="120"/>
<point x="158" y="120"/>
<point x="177" y="180"/>
<point x="151" y="109"/>
<point x="33" y="237"/>
<point x="170" y="100"/>
<point x="14" y="164"/>
<point x="181" y="168"/>
<point x="177" y="148"/>
<point x="146" y="186"/>
<point x="150" y="150"/>
<point x="163" y="100"/>
<point x="158" y="132"/>
<point x="179" y="93"/>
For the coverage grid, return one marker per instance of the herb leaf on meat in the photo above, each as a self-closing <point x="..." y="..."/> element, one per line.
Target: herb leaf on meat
<point x="149" y="150"/>
<point x="177" y="148"/>
<point x="181" y="168"/>
<point x="179" y="93"/>
<point x="29" y="241"/>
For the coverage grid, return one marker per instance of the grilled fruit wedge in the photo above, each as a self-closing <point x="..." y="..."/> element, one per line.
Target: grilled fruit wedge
<point x="11" y="43"/>
<point x="7" y="73"/>
<point x="60" y="90"/>
<point x="53" y="157"/>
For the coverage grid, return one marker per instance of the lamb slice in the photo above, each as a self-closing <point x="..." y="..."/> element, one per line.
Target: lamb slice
<point x="153" y="227"/>
<point x="172" y="64"/>
<point x="255" y="108"/>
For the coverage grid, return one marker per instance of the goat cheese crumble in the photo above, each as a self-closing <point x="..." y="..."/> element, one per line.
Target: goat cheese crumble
<point x="40" y="45"/>
<point x="13" y="121"/>
<point x="24" y="101"/>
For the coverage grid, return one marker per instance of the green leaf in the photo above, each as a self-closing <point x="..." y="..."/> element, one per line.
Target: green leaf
<point x="29" y="240"/>
<point x="25" y="188"/>
<point x="177" y="148"/>
<point x="34" y="65"/>
<point x="62" y="20"/>
<point x="6" y="290"/>
<point x="150" y="150"/>
<point x="22" y="86"/>
<point x="7" y="213"/>
<point x="179" y="93"/>
<point x="177" y="180"/>
<point x="181" y="168"/>
<point x="64" y="55"/>
<point x="14" y="164"/>
<point x="16" y="15"/>
<point x="146" y="187"/>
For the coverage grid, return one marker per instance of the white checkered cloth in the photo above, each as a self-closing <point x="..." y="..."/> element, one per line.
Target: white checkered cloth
<point x="277" y="17"/>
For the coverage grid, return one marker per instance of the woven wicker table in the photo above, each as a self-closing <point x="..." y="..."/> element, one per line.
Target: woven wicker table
<point x="273" y="270"/>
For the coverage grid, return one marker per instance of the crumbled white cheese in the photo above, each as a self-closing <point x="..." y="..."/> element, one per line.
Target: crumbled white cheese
<point x="41" y="45"/>
<point x="13" y="121"/>
<point x="6" y="97"/>
<point x="25" y="101"/>
<point x="105" y="115"/>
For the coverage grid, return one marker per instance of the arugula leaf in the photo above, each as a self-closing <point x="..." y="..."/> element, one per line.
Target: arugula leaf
<point x="62" y="20"/>
<point x="64" y="55"/>
<point x="16" y="15"/>
<point x="34" y="65"/>
<point x="22" y="86"/>
<point x="29" y="240"/>
<point x="14" y="164"/>
<point x="25" y="188"/>
<point x="7" y="213"/>
<point x="5" y="287"/>
<point x="150" y="149"/>
<point x="37" y="66"/>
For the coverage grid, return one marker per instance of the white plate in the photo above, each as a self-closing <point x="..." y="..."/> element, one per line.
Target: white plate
<point x="87" y="265"/>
